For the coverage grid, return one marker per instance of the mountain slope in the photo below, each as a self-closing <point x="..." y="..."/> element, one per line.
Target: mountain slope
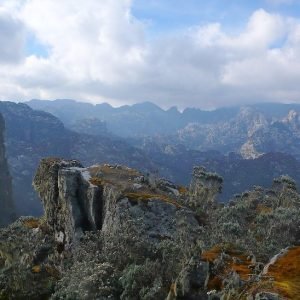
<point x="32" y="135"/>
<point x="111" y="233"/>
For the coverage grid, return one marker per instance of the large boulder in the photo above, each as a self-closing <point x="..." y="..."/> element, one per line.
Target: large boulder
<point x="113" y="199"/>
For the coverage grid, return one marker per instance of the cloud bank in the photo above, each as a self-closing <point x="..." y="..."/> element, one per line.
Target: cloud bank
<point x="98" y="51"/>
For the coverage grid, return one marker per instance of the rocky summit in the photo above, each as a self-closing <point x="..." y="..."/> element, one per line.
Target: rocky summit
<point x="111" y="232"/>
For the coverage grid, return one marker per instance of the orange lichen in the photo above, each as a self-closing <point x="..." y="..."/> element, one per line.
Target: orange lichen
<point x="146" y="197"/>
<point x="101" y="181"/>
<point x="36" y="269"/>
<point x="96" y="181"/>
<point x="282" y="277"/>
<point x="262" y="209"/>
<point x="182" y="190"/>
<point x="235" y="261"/>
<point x="212" y="254"/>
<point x="215" y="283"/>
<point x="31" y="223"/>
<point x="286" y="274"/>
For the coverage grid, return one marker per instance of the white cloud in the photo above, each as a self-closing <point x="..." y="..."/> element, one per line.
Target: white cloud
<point x="12" y="38"/>
<point x="98" y="51"/>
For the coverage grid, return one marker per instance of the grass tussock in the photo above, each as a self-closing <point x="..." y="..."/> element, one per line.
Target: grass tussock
<point x="148" y="196"/>
<point x="32" y="223"/>
<point x="236" y="261"/>
<point x="286" y="274"/>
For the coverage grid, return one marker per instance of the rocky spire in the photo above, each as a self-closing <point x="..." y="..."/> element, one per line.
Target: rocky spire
<point x="204" y="188"/>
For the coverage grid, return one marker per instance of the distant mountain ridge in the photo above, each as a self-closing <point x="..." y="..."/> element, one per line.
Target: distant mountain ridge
<point x="34" y="134"/>
<point x="249" y="130"/>
<point x="130" y="121"/>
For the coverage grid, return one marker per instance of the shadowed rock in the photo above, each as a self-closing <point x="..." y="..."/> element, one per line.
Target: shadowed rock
<point x="7" y="211"/>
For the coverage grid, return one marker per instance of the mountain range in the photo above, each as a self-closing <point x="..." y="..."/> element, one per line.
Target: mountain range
<point x="226" y="228"/>
<point x="246" y="145"/>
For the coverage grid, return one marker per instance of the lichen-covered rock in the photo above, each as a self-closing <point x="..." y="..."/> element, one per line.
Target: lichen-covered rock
<point x="109" y="232"/>
<point x="28" y="269"/>
<point x="192" y="280"/>
<point x="148" y="221"/>
<point x="204" y="188"/>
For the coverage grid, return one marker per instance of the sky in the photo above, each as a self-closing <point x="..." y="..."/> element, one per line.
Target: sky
<point x="184" y="53"/>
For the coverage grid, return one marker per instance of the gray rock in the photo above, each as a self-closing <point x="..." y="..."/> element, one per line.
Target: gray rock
<point x="204" y="188"/>
<point x="192" y="280"/>
<point x="72" y="204"/>
<point x="7" y="212"/>
<point x="267" y="296"/>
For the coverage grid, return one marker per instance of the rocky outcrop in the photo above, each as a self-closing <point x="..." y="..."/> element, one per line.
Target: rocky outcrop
<point x="66" y="196"/>
<point x="204" y="188"/>
<point x="108" y="198"/>
<point x="248" y="151"/>
<point x="7" y="212"/>
<point x="28" y="264"/>
<point x="110" y="232"/>
<point x="108" y="215"/>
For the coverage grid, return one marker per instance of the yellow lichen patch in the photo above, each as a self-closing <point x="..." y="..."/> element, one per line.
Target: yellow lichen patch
<point x="52" y="271"/>
<point x="212" y="254"/>
<point x="146" y="197"/>
<point x="108" y="170"/>
<point x="36" y="269"/>
<point x="235" y="261"/>
<point x="32" y="223"/>
<point x="262" y="209"/>
<point x="182" y="190"/>
<point x="101" y="181"/>
<point x="96" y="181"/>
<point x="286" y="274"/>
<point x="121" y="177"/>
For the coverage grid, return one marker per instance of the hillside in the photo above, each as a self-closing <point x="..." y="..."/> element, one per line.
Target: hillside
<point x="110" y="232"/>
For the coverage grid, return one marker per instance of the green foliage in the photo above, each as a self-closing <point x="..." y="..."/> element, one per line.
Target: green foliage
<point x="143" y="281"/>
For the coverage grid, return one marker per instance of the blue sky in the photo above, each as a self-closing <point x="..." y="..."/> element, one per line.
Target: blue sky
<point x="171" y="15"/>
<point x="203" y="54"/>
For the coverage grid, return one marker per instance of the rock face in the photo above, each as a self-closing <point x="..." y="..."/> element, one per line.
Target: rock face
<point x="62" y="190"/>
<point x="113" y="199"/>
<point x="6" y="201"/>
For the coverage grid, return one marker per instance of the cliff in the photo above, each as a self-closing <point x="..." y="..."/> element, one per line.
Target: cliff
<point x="7" y="212"/>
